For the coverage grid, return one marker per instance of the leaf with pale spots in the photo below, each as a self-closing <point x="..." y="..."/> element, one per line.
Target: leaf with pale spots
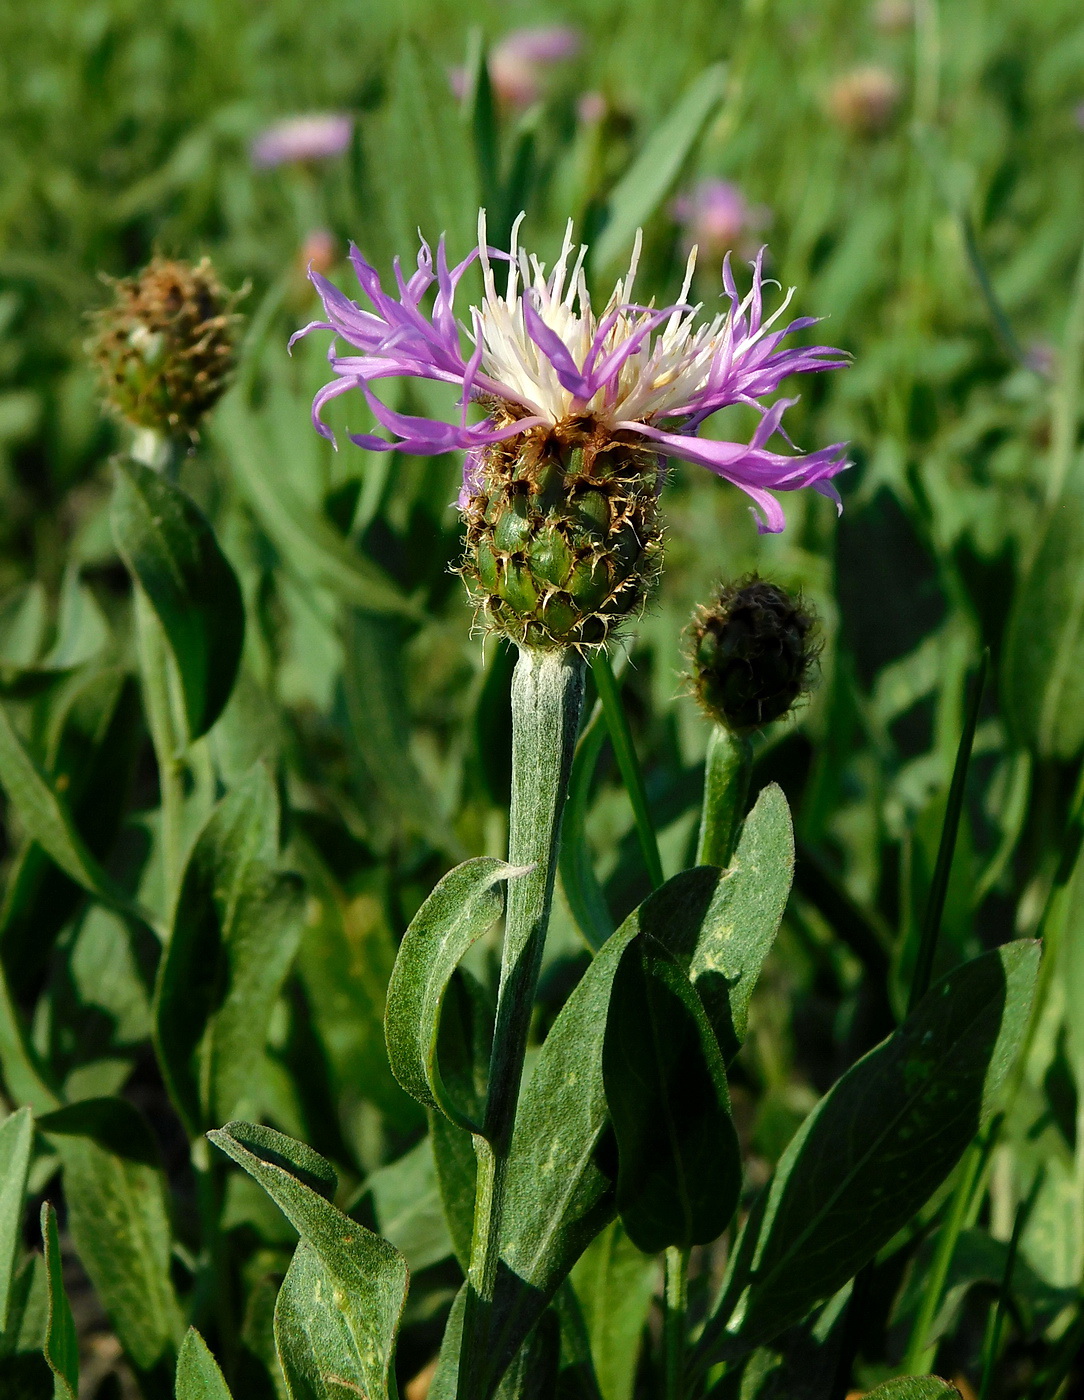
<point x="874" y="1149"/>
<point x="464" y="904"/>
<point x="338" y="1312"/>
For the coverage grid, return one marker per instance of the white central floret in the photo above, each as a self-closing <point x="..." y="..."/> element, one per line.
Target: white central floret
<point x="662" y="378"/>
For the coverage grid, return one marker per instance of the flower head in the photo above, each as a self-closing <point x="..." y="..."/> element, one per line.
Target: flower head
<point x="536" y="354"/>
<point x="752" y="652"/>
<point x="717" y="216"/>
<point x="312" y="136"/>
<point x="165" y="348"/>
<point x="864" y="101"/>
<point x="518" y="62"/>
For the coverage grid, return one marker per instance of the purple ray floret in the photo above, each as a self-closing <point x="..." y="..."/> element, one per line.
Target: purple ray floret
<point x="537" y="349"/>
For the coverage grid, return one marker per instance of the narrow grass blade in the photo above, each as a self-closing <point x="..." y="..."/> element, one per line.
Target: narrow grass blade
<point x="931" y="927"/>
<point x="625" y="753"/>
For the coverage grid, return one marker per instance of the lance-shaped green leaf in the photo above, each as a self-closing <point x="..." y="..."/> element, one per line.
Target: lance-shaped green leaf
<point x="721" y="927"/>
<point x="406" y="1202"/>
<point x="23" y="1075"/>
<point x="376" y="702"/>
<point x="615" y="1282"/>
<point x="21" y="1358"/>
<point x="578" y="879"/>
<point x="61" y="1350"/>
<point x="464" y="904"/>
<point x="881" y="1140"/>
<point x="236" y="930"/>
<point x="914" y="1388"/>
<point x="648" y="180"/>
<point x="171" y="551"/>
<point x="336" y="1327"/>
<point x="310" y="546"/>
<point x="679" y="1163"/>
<point x="43" y="815"/>
<point x="16" y="1137"/>
<point x="198" y="1374"/>
<point x="119" y="1219"/>
<point x="1042" y="677"/>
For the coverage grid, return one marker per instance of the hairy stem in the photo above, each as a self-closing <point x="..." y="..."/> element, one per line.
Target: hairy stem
<point x="677" y="1302"/>
<point x="547" y="697"/>
<point x="726" y="791"/>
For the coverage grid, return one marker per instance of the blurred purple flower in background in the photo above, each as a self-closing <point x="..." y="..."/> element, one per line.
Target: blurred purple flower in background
<point x="311" y="136"/>
<point x="319" y="250"/>
<point x="518" y="62"/>
<point x="717" y="217"/>
<point x="591" y="108"/>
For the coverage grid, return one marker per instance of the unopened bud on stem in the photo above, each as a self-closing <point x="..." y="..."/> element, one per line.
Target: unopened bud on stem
<point x="165" y="348"/>
<point x="752" y="653"/>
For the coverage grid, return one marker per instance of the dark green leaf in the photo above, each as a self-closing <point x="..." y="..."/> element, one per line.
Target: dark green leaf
<point x="43" y="817"/>
<point x="310" y="546"/>
<point x="914" y="1388"/>
<point x="198" y="1375"/>
<point x="375" y="690"/>
<point x="1042" y="678"/>
<point x="16" y="1137"/>
<point x="276" y="1149"/>
<point x="578" y="879"/>
<point x="614" y="1283"/>
<point x="457" y="1172"/>
<point x="650" y="177"/>
<point x="236" y="930"/>
<point x="421" y="155"/>
<point x="875" y="1147"/>
<point x="119" y="1219"/>
<point x="560" y="1186"/>
<point x="407" y="1205"/>
<point x="336" y="1320"/>
<point x="679" y="1163"/>
<point x="91" y="743"/>
<point x="28" y="1310"/>
<point x="171" y="551"/>
<point x="61" y="1350"/>
<point x="464" y="904"/>
<point x="802" y="1364"/>
<point x="23" y="1076"/>
<point x="738" y="925"/>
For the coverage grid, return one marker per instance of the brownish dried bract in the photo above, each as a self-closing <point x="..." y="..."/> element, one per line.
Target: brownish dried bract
<point x="752" y="654"/>
<point x="166" y="347"/>
<point x="564" y="539"/>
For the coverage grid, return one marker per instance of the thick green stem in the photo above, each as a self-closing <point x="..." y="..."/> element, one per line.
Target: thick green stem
<point x="547" y="697"/>
<point x="167" y="736"/>
<point x="674" y="1326"/>
<point x="726" y="791"/>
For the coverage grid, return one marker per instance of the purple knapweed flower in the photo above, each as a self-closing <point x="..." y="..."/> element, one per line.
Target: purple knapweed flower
<point x="314" y="136"/>
<point x="716" y="216"/>
<point x="517" y="63"/>
<point x="536" y="354"/>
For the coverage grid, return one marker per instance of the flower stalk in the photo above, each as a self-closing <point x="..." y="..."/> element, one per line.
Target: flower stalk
<point x="547" y="699"/>
<point x="726" y="794"/>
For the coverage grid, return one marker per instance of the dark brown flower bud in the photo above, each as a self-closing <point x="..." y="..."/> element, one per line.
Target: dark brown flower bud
<point x="752" y="652"/>
<point x="166" y="346"/>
